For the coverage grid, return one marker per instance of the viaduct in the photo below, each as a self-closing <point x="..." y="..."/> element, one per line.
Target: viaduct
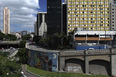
<point x="101" y="62"/>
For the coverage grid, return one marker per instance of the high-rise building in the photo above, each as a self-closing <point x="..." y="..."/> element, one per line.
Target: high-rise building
<point x="40" y="26"/>
<point x="53" y="18"/>
<point x="6" y="22"/>
<point x="90" y="15"/>
<point x="113" y="15"/>
<point x="64" y="18"/>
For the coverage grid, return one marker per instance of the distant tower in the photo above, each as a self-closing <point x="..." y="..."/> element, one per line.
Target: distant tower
<point x="6" y="22"/>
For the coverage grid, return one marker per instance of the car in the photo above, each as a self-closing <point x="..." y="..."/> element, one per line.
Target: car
<point x="90" y="49"/>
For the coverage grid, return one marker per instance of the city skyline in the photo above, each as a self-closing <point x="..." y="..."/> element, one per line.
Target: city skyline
<point x="22" y="14"/>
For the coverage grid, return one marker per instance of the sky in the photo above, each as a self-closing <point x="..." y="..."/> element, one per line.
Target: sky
<point x="22" y="13"/>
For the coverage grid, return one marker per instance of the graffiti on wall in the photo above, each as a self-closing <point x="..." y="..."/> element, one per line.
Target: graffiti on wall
<point x="43" y="60"/>
<point x="74" y="68"/>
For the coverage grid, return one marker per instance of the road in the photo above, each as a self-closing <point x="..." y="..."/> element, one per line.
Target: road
<point x="36" y="48"/>
<point x="25" y="72"/>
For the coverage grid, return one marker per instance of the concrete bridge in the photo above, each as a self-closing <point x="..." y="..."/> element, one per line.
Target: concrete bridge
<point x="101" y="62"/>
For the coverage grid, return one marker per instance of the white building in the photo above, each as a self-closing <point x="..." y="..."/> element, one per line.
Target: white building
<point x="6" y="22"/>
<point x="41" y="24"/>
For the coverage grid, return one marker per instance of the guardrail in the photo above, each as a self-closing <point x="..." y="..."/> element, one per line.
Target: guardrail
<point x="87" y="52"/>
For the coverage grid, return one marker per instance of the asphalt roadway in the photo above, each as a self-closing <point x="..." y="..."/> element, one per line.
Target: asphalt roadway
<point x="25" y="72"/>
<point x="36" y="48"/>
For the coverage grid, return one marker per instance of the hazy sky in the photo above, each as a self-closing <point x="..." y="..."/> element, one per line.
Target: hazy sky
<point x="22" y="13"/>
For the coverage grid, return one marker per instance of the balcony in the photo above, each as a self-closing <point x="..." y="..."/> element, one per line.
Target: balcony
<point x="69" y="4"/>
<point x="69" y="7"/>
<point x="69" y="30"/>
<point x="94" y="26"/>
<point x="107" y="13"/>
<point x="69" y="26"/>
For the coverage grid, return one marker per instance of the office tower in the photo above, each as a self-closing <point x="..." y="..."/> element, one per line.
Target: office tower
<point x="113" y="15"/>
<point x="90" y="15"/>
<point x="35" y="28"/>
<point x="41" y="26"/>
<point x="64" y="18"/>
<point x="53" y="18"/>
<point x="6" y="22"/>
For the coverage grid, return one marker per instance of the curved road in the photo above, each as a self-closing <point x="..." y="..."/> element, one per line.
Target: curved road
<point x="25" y="72"/>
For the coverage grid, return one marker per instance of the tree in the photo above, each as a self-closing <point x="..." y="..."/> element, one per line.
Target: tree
<point x="26" y="37"/>
<point x="36" y="39"/>
<point x="22" y="55"/>
<point x="9" y="68"/>
<point x="22" y="44"/>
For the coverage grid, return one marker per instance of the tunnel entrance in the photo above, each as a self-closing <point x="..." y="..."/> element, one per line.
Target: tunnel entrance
<point x="99" y="67"/>
<point x="74" y="65"/>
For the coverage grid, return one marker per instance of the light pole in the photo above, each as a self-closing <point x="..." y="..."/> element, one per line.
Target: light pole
<point x="105" y="37"/>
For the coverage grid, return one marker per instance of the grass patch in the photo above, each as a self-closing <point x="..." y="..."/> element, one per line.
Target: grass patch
<point x="56" y="74"/>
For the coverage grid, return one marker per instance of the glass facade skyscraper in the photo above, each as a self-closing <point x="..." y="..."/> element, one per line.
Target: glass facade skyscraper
<point x="53" y="16"/>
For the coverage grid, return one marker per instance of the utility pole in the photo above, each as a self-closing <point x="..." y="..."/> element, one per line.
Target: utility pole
<point x="105" y="37"/>
<point x="0" y="17"/>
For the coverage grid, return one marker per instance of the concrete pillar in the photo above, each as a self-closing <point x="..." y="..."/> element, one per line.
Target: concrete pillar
<point x="113" y="63"/>
<point x="86" y="63"/>
<point x="62" y="63"/>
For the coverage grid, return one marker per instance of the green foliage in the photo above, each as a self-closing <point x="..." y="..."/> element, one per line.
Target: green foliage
<point x="56" y="41"/>
<point x="7" y="36"/>
<point x="12" y="37"/>
<point x="26" y="37"/>
<point x="8" y="66"/>
<point x="56" y="74"/>
<point x="22" y="44"/>
<point x="22" y="55"/>
<point x="42" y="41"/>
<point x="4" y="53"/>
<point x="36" y="39"/>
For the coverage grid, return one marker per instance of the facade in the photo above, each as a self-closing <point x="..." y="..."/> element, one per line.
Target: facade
<point x="64" y="18"/>
<point x="16" y="34"/>
<point x="40" y="26"/>
<point x="53" y="18"/>
<point x="91" y="15"/>
<point x="6" y="22"/>
<point x="113" y="15"/>
<point x="94" y="37"/>
<point x="23" y="33"/>
<point x="35" y="28"/>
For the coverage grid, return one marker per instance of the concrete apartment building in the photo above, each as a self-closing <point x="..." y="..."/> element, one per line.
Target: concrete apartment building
<point x="113" y="15"/>
<point x="40" y="27"/>
<point x="90" y="15"/>
<point x="6" y="21"/>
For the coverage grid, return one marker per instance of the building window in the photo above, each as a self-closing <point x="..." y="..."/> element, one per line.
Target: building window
<point x="112" y="18"/>
<point x="112" y="12"/>
<point x="113" y="9"/>
<point x="112" y="25"/>
<point x="112" y="21"/>
<point x="112" y="15"/>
